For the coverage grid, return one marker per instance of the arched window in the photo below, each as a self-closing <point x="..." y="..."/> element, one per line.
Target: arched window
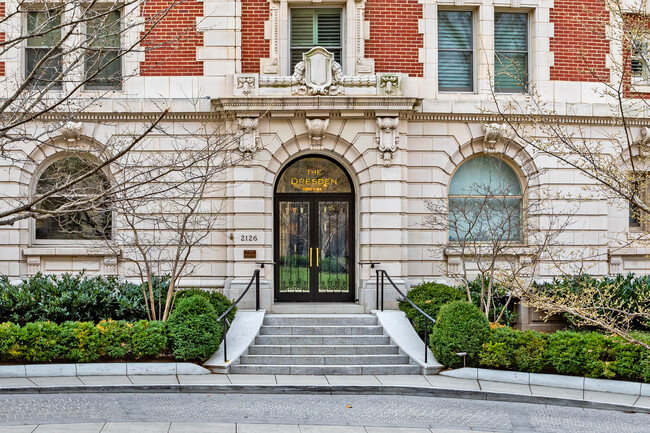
<point x="485" y="202"/>
<point x="81" y="210"/>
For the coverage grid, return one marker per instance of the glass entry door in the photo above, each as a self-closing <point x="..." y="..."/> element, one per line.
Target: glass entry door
<point x="313" y="250"/>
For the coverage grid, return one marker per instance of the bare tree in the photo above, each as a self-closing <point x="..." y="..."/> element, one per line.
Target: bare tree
<point x="615" y="159"/>
<point x="76" y="53"/>
<point x="500" y="231"/>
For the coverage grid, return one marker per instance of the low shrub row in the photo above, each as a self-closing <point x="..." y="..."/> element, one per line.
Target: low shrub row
<point x="76" y="298"/>
<point x="461" y="327"/>
<point x="82" y="341"/>
<point x="589" y="354"/>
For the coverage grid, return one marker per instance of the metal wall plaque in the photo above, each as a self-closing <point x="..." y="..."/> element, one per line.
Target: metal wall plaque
<point x="250" y="254"/>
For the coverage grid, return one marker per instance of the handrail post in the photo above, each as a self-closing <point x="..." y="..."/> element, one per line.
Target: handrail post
<point x="382" y="290"/>
<point x="257" y="290"/>
<point x="377" y="295"/>
<point x="426" y="338"/>
<point x="225" y="345"/>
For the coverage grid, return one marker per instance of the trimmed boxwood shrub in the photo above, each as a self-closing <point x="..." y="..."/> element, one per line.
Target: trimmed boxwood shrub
<point x="115" y="338"/>
<point x="80" y="341"/>
<point x="148" y="338"/>
<point x="517" y="350"/>
<point x="219" y="301"/>
<point x="39" y="341"/>
<point x="580" y="354"/>
<point x="9" y="347"/>
<point x="193" y="329"/>
<point x="460" y="327"/>
<point x="429" y="297"/>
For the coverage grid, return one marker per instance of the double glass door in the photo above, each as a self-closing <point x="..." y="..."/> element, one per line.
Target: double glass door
<point x="314" y="248"/>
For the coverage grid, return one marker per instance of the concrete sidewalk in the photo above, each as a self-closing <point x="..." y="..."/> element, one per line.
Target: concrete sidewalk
<point x="185" y="427"/>
<point x="439" y="386"/>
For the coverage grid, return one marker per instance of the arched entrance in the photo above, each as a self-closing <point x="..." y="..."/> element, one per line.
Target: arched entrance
<point x="314" y="232"/>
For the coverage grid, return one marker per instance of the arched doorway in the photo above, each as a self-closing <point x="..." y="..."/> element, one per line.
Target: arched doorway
<point x="314" y="232"/>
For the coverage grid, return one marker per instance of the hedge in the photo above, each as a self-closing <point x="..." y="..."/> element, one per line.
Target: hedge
<point x="429" y="297"/>
<point x="589" y="354"/>
<point x="82" y="341"/>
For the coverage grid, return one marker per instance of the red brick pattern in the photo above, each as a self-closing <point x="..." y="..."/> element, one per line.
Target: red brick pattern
<point x="394" y="39"/>
<point x="171" y="45"/>
<point x="253" y="45"/>
<point x="579" y="45"/>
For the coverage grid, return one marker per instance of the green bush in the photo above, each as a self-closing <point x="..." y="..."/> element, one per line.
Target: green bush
<point x="219" y="301"/>
<point x="9" y="347"/>
<point x="193" y="329"/>
<point x="39" y="341"/>
<point x="148" y="338"/>
<point x="580" y="354"/>
<point x="71" y="298"/>
<point x="461" y="327"/>
<point x="80" y="341"/>
<point x="115" y="337"/>
<point x="517" y="350"/>
<point x="429" y="297"/>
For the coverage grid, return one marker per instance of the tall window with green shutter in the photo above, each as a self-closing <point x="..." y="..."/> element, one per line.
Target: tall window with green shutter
<point x="44" y="62"/>
<point x="455" y="51"/>
<point x="315" y="27"/>
<point x="510" y="52"/>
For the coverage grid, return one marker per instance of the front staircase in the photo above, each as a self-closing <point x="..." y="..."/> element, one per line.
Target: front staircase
<point x="323" y="344"/>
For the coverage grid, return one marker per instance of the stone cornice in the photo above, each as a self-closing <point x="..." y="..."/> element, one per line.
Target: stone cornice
<point x="318" y="103"/>
<point x="518" y="118"/>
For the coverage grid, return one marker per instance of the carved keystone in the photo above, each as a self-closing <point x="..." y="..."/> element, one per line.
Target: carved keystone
<point x="316" y="129"/>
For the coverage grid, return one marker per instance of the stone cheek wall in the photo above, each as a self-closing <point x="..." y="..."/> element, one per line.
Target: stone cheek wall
<point x="579" y="45"/>
<point x="171" y="46"/>
<point x="394" y="40"/>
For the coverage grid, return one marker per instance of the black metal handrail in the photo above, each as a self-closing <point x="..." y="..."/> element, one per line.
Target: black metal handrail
<point x="224" y="316"/>
<point x="427" y="318"/>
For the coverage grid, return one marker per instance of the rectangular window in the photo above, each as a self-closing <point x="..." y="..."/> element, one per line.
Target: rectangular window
<point x="103" y="64"/>
<point x="640" y="69"/>
<point x="455" y="51"/>
<point x="43" y="63"/>
<point x="315" y="27"/>
<point x="510" y="52"/>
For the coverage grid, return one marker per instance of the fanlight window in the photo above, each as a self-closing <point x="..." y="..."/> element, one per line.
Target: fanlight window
<point x="81" y="210"/>
<point x="485" y="202"/>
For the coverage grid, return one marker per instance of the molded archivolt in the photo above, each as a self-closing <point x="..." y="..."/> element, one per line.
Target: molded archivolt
<point x="522" y="160"/>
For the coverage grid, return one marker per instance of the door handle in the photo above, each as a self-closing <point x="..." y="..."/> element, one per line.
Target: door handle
<point x="317" y="258"/>
<point x="310" y="257"/>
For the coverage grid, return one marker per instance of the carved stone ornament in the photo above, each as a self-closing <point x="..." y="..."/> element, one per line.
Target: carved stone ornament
<point x="494" y="132"/>
<point x="316" y="129"/>
<point x="387" y="139"/>
<point x="318" y="74"/>
<point x="249" y="140"/>
<point x="71" y="131"/>
<point x="246" y="84"/>
<point x="644" y="137"/>
<point x="389" y="83"/>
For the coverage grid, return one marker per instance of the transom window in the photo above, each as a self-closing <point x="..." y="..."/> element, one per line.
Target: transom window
<point x="510" y="52"/>
<point x="455" y="51"/>
<point x="41" y="58"/>
<point x="315" y="27"/>
<point x="82" y="211"/>
<point x="485" y="202"/>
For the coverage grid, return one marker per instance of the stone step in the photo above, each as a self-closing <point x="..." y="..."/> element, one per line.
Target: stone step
<point x="324" y="359"/>
<point x="326" y="369"/>
<point x="321" y="330"/>
<point x="385" y="349"/>
<point x="317" y="308"/>
<point x="328" y="340"/>
<point x="320" y="319"/>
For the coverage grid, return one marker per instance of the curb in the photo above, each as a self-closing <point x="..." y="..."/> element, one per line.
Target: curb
<point x="415" y="391"/>
<point x="552" y="380"/>
<point x="101" y="369"/>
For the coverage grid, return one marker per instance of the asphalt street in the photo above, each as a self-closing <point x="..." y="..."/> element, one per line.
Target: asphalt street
<point x="342" y="410"/>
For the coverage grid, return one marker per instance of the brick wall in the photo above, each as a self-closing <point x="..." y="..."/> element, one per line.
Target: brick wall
<point x="394" y="39"/>
<point x="253" y="45"/>
<point x="2" y="38"/>
<point x="171" y="45"/>
<point x="579" y="45"/>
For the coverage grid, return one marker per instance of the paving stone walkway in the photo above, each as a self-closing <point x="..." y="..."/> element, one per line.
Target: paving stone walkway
<point x="160" y="412"/>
